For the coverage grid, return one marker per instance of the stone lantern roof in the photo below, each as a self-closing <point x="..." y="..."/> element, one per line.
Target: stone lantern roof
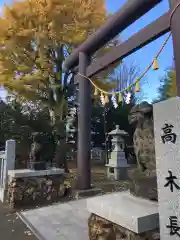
<point x="118" y="132"/>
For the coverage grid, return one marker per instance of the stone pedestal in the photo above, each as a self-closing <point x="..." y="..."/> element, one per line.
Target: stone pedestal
<point x="29" y="187"/>
<point x="102" y="229"/>
<point x="122" y="215"/>
<point x="143" y="184"/>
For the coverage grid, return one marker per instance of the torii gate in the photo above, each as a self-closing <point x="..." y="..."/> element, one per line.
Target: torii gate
<point x="128" y="13"/>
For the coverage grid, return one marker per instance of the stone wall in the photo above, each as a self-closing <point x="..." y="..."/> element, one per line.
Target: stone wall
<point x="33" y="190"/>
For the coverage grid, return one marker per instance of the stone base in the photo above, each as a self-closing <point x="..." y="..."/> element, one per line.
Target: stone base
<point x="117" y="173"/>
<point x="102" y="229"/>
<point x="29" y="188"/>
<point x="143" y="185"/>
<point x="135" y="214"/>
<point x="87" y="193"/>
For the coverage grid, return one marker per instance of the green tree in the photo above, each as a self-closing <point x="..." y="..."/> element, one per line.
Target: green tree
<point x="167" y="87"/>
<point x="18" y="122"/>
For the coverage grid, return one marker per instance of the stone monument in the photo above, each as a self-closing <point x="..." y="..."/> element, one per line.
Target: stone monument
<point x="117" y="166"/>
<point x="167" y="145"/>
<point x="143" y="178"/>
<point x="36" y="160"/>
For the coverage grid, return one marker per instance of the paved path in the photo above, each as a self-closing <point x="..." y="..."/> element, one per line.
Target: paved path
<point x="11" y="227"/>
<point x="64" y="221"/>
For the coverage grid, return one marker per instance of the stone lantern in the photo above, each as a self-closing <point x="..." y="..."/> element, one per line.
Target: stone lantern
<point x="117" y="166"/>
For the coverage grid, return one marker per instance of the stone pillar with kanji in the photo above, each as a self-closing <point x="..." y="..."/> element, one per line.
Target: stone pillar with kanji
<point x="167" y="148"/>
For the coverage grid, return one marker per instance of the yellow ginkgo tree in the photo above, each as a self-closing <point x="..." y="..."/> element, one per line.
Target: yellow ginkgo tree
<point x="35" y="38"/>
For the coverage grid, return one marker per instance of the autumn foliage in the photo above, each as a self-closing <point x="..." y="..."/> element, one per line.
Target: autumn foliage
<point x="36" y="36"/>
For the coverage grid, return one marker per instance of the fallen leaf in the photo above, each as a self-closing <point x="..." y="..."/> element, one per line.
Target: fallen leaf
<point x="28" y="233"/>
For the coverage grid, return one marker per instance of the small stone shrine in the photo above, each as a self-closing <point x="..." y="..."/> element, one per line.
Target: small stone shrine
<point x="117" y="166"/>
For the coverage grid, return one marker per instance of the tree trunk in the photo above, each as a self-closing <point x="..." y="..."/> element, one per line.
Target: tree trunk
<point x="60" y="154"/>
<point x="60" y="158"/>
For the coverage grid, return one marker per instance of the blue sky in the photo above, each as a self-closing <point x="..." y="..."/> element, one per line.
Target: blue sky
<point x="144" y="56"/>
